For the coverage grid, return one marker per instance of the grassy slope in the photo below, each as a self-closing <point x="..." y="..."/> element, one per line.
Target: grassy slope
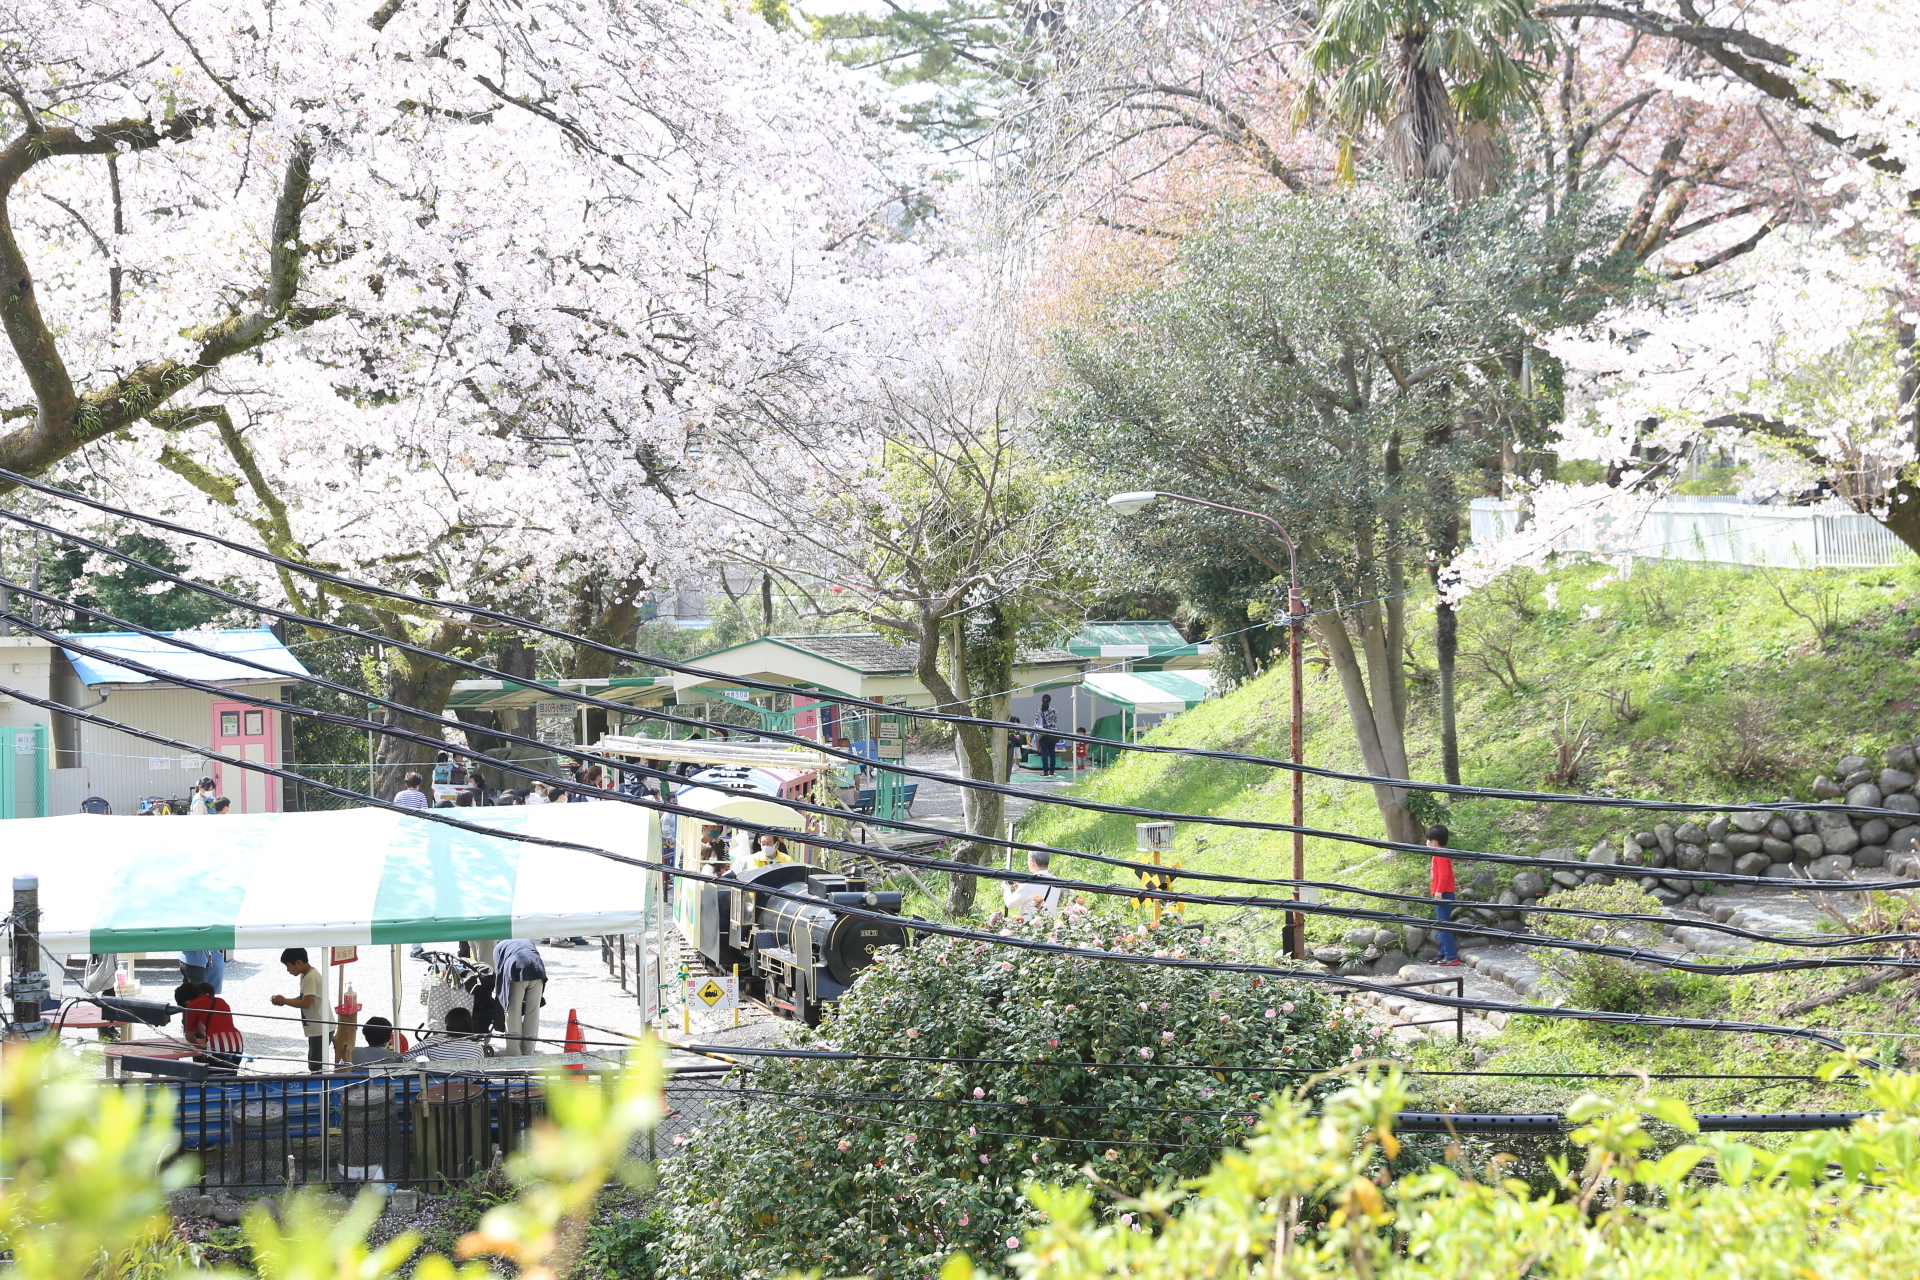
<point x="1731" y="697"/>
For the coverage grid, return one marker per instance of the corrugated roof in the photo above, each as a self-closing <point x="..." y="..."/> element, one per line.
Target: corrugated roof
<point x="876" y="655"/>
<point x="260" y="646"/>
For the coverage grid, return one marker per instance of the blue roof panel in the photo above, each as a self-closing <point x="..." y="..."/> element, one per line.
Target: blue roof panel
<point x="260" y="646"/>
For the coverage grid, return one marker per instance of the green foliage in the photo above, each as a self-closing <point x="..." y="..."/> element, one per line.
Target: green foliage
<point x="1489" y="53"/>
<point x="963" y="56"/>
<point x="1311" y="360"/>
<point x="884" y="1168"/>
<point x="87" y="1169"/>
<point x="623" y="1244"/>
<point x="84" y="1189"/>
<point x="125" y="592"/>
<point x="1306" y="1199"/>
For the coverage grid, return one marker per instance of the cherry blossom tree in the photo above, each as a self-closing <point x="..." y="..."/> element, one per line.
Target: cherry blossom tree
<point x="457" y="296"/>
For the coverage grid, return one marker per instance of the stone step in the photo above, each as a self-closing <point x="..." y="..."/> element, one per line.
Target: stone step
<point x="1405" y="1005"/>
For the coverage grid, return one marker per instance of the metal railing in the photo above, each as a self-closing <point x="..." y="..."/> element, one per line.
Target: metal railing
<point x="428" y="1130"/>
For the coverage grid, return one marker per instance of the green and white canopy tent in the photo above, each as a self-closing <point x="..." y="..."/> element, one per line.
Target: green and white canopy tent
<point x="352" y="877"/>
<point x="1132" y="694"/>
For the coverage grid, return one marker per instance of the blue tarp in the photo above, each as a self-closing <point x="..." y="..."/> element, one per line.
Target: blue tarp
<point x="260" y="646"/>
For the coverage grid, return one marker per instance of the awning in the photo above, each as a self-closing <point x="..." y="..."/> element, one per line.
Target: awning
<point x="351" y="877"/>
<point x="1133" y="640"/>
<point x="260" y="646"/>
<point x="1151" y="692"/>
<point x="509" y="695"/>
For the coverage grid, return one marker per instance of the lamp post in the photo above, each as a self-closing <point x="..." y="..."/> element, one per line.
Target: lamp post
<point x="1131" y="503"/>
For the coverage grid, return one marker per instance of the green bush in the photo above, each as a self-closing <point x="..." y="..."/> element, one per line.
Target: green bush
<point x="1609" y="982"/>
<point x="884" y="1168"/>
<point x="1308" y="1198"/>
<point x="623" y="1242"/>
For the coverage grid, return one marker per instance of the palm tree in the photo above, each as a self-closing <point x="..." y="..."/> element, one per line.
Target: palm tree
<point x="1436" y="75"/>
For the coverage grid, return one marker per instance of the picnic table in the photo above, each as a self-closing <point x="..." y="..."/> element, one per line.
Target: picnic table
<point x="166" y="1048"/>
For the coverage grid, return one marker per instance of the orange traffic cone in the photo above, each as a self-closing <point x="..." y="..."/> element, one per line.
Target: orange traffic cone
<point x="576" y="1043"/>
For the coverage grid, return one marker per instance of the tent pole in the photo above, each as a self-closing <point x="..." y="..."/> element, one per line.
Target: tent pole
<point x="394" y="953"/>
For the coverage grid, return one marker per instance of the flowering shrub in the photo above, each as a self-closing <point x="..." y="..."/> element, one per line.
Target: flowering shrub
<point x="885" y="1168"/>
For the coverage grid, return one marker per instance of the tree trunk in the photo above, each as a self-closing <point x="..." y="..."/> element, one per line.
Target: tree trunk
<point x="607" y="615"/>
<point x="424" y="684"/>
<point x="973" y="751"/>
<point x="1378" y="725"/>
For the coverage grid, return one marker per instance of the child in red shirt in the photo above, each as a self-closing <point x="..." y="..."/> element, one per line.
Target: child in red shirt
<point x="1440" y="885"/>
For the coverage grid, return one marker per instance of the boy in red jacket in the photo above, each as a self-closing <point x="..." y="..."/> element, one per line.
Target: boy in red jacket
<point x="1440" y="885"/>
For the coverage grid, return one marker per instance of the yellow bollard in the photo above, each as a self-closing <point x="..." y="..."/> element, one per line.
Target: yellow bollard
<point x="736" y="995"/>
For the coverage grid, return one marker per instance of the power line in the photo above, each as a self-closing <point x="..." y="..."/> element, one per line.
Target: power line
<point x="985" y="939"/>
<point x="1643" y="955"/>
<point x="1144" y="869"/>
<point x="493" y="615"/>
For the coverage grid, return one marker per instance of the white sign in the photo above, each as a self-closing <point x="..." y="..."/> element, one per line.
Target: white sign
<point x="157" y="763"/>
<point x="716" y="994"/>
<point x="650" y="987"/>
<point x="1152" y="837"/>
<point x="192" y="762"/>
<point x="23" y="743"/>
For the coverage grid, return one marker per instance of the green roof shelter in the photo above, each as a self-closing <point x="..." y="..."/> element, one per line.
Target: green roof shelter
<point x="1138" y="646"/>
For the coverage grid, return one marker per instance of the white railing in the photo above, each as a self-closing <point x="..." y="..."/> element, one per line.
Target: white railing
<point x="1718" y="531"/>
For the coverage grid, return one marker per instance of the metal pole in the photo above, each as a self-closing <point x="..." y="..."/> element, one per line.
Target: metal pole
<point x="28" y="987"/>
<point x="1297" y="622"/>
<point x="394" y="961"/>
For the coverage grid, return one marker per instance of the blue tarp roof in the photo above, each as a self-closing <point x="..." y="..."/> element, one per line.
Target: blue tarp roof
<point x="260" y="646"/>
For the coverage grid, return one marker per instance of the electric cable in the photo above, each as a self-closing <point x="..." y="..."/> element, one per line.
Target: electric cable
<point x="883" y="854"/>
<point x="507" y="619"/>
<point x="983" y="939"/>
<point x="1642" y="955"/>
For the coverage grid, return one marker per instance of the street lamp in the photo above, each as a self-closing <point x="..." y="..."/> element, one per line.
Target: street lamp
<point x="1128" y="504"/>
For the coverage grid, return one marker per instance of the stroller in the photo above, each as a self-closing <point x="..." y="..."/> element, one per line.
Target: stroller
<point x="455" y="982"/>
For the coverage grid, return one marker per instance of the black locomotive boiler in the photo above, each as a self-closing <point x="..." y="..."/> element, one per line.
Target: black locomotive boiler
<point x="795" y="956"/>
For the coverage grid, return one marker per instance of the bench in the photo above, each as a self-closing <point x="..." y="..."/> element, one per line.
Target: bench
<point x="865" y="799"/>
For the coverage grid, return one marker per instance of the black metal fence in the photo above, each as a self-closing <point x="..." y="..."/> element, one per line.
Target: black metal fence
<point x="422" y="1130"/>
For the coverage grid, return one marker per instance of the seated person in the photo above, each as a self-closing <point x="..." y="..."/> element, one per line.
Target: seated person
<point x="379" y="1046"/>
<point x="208" y="1026"/>
<point x="768" y="849"/>
<point x="457" y="1043"/>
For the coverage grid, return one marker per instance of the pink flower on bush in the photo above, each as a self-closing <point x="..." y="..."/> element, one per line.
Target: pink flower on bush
<point x="1356" y="1051"/>
<point x="972" y="1132"/>
<point x="983" y="1160"/>
<point x="913" y="1033"/>
<point x="1013" y="1242"/>
<point x="1146" y="1053"/>
<point x="964" y="1218"/>
<point x="1143" y="1006"/>
<point x="1053" y="1044"/>
<point x="1287" y="1007"/>
<point x="1166" y="1035"/>
<point x="1112" y="1154"/>
<point x="978" y="1092"/>
<point x="845" y="1145"/>
<point x="1126" y="1219"/>
<point x="1271" y="1013"/>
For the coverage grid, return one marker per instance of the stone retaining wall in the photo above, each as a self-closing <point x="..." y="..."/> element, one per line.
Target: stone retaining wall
<point x="1801" y="845"/>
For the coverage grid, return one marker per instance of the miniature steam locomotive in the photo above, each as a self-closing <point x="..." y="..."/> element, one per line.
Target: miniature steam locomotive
<point x="793" y="956"/>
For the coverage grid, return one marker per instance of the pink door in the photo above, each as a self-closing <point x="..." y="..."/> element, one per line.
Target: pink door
<point x="246" y="733"/>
